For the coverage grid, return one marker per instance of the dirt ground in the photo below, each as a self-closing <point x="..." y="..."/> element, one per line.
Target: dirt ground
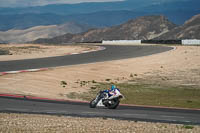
<point x="180" y="66"/>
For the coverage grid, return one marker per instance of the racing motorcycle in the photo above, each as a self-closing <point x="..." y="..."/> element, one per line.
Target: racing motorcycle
<point x="103" y="99"/>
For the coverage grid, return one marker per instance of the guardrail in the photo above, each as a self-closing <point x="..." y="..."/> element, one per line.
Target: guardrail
<point x="122" y="42"/>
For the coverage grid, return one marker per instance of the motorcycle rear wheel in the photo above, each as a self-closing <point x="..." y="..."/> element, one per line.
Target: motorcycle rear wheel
<point x="93" y="104"/>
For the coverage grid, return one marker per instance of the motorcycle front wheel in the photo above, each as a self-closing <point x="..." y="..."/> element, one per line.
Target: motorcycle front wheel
<point x="114" y="105"/>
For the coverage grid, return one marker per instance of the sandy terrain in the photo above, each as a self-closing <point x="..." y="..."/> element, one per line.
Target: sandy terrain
<point x="180" y="66"/>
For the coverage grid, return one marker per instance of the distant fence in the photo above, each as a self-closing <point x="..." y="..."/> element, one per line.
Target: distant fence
<point x="191" y="42"/>
<point x="122" y="42"/>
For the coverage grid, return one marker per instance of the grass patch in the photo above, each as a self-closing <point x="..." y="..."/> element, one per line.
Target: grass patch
<point x="161" y="96"/>
<point x="27" y="47"/>
<point x="16" y="49"/>
<point x="188" y="127"/>
<point x="4" y="52"/>
<point x="154" y="95"/>
<point x="73" y="95"/>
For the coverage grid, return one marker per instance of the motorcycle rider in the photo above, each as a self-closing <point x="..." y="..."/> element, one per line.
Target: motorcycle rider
<point x="108" y="98"/>
<point x="111" y="91"/>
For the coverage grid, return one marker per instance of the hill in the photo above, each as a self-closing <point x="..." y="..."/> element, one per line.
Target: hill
<point x="21" y="36"/>
<point x="144" y="28"/>
<point x="189" y="30"/>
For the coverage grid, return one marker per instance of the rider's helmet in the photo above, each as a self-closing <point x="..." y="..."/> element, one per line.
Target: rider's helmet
<point x="113" y="87"/>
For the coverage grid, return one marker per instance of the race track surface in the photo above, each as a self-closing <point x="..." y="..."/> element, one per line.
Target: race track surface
<point x="67" y="108"/>
<point x="110" y="53"/>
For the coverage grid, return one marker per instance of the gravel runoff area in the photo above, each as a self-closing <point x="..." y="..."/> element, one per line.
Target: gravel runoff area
<point x="17" y="123"/>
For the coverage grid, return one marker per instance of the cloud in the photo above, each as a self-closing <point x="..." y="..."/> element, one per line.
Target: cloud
<point x="25" y="3"/>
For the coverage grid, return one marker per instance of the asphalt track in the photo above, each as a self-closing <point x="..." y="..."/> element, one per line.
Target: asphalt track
<point x="69" y="108"/>
<point x="110" y="53"/>
<point x="78" y="109"/>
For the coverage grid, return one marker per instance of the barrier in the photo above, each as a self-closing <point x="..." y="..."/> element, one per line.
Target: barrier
<point x="191" y="42"/>
<point x="183" y="42"/>
<point x="162" y="41"/>
<point x="122" y="42"/>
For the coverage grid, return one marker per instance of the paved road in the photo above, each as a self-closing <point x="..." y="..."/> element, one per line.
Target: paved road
<point x="110" y="53"/>
<point x="82" y="110"/>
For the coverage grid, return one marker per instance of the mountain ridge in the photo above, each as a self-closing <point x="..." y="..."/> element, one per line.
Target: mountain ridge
<point x="142" y="28"/>
<point x="189" y="30"/>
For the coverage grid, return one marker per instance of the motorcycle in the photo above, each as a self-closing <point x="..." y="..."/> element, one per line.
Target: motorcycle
<point x="104" y="100"/>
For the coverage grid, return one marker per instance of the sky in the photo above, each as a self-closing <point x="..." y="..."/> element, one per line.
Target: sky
<point x="27" y="3"/>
